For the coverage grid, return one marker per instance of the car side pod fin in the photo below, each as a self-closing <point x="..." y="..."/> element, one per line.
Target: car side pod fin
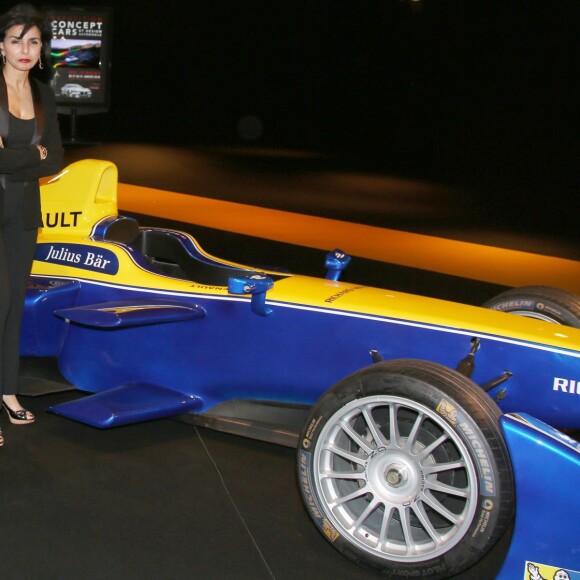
<point x="546" y="465"/>
<point x="255" y="284"/>
<point x="130" y="313"/>
<point x="127" y="404"/>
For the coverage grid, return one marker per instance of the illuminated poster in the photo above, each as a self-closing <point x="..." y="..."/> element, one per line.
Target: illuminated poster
<point x="79" y="56"/>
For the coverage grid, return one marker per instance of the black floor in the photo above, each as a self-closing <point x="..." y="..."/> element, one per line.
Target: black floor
<point x="158" y="500"/>
<point x="168" y="500"/>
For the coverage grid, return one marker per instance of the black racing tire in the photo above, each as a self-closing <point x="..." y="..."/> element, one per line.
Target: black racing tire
<point x="540" y="302"/>
<point x="403" y="468"/>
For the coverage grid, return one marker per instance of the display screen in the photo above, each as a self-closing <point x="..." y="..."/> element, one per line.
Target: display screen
<point x="79" y="51"/>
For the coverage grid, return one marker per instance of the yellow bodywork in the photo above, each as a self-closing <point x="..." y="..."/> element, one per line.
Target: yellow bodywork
<point x="85" y="193"/>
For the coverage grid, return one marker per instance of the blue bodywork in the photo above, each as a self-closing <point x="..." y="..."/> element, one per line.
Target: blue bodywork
<point x="216" y="347"/>
<point x="546" y="464"/>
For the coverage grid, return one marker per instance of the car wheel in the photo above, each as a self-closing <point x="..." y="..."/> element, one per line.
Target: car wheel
<point x="403" y="468"/>
<point x="541" y="302"/>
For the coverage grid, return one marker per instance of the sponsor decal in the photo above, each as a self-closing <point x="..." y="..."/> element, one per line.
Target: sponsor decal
<point x="340" y="294"/>
<point x="205" y="287"/>
<point x="521" y="304"/>
<point x="484" y="517"/>
<point x="569" y="386"/>
<point x="78" y="256"/>
<point x="62" y="219"/>
<point x="445" y="409"/>
<point x="535" y="571"/>
<point x="486" y="478"/>
<point x="306" y="483"/>
<point x="329" y="531"/>
<point x="312" y="427"/>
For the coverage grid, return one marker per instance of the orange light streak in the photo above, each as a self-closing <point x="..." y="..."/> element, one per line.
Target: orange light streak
<point x="478" y="262"/>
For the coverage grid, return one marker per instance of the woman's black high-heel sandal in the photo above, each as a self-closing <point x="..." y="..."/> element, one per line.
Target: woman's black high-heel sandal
<point x="1" y="438"/>
<point x="18" y="417"/>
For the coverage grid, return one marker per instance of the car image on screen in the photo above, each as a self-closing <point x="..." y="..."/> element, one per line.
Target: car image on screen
<point x="75" y="91"/>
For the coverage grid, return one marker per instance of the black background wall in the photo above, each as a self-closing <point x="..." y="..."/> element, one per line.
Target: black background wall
<point x="476" y="93"/>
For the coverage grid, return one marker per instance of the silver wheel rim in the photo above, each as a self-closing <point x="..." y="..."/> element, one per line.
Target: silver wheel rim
<point x="535" y="315"/>
<point x="395" y="479"/>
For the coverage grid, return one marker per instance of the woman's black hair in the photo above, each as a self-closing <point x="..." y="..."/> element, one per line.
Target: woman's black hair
<point x="26" y="14"/>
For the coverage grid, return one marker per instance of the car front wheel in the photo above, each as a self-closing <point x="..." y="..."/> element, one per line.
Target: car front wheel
<point x="403" y="468"/>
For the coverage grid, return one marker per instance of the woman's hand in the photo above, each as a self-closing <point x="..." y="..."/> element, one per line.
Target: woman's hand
<point x="43" y="152"/>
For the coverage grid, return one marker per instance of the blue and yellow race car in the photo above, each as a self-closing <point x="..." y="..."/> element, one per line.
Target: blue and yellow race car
<point x="421" y="425"/>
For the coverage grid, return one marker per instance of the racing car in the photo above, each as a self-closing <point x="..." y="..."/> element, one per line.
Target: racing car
<point x="421" y="425"/>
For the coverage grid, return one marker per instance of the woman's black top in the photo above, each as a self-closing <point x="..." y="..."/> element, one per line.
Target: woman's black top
<point x="19" y="135"/>
<point x="21" y="166"/>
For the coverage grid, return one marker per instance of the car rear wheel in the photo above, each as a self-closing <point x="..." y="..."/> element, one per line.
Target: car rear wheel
<point x="403" y="468"/>
<point x="540" y="302"/>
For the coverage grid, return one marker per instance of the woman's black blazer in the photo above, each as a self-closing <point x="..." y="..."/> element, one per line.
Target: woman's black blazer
<point x="24" y="165"/>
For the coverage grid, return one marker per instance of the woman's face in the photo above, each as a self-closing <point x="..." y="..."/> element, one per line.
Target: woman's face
<point x="21" y="53"/>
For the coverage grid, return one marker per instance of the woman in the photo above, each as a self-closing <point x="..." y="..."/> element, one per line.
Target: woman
<point x="30" y="148"/>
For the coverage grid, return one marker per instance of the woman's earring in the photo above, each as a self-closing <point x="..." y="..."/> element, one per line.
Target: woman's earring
<point x="40" y="65"/>
<point x="3" y="59"/>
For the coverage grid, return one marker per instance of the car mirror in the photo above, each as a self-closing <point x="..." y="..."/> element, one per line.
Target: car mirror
<point x="255" y="284"/>
<point x="336" y="262"/>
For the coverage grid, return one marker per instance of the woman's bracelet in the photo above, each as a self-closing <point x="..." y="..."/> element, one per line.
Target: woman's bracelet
<point x="43" y="152"/>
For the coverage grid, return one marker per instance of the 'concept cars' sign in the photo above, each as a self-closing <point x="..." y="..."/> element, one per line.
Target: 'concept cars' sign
<point x="79" y="53"/>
